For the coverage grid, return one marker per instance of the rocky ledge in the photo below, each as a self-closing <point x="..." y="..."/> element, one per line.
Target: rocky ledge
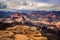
<point x="21" y="32"/>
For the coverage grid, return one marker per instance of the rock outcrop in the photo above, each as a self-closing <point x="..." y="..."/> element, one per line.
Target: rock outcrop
<point x="21" y="32"/>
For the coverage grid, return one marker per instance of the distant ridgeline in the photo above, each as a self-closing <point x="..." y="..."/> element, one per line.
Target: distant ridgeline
<point x="7" y="13"/>
<point x="4" y="14"/>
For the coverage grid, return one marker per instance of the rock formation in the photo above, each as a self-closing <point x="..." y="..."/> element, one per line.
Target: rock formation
<point x="21" y="32"/>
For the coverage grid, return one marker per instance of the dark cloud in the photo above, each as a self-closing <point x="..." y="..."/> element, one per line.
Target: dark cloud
<point x="2" y="6"/>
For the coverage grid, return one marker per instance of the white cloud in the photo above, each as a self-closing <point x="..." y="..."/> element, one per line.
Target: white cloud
<point x="28" y="5"/>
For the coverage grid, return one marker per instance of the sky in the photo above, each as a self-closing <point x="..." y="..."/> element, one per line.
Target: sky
<point x="48" y="5"/>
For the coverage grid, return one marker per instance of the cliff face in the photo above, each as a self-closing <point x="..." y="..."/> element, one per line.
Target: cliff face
<point x="20" y="32"/>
